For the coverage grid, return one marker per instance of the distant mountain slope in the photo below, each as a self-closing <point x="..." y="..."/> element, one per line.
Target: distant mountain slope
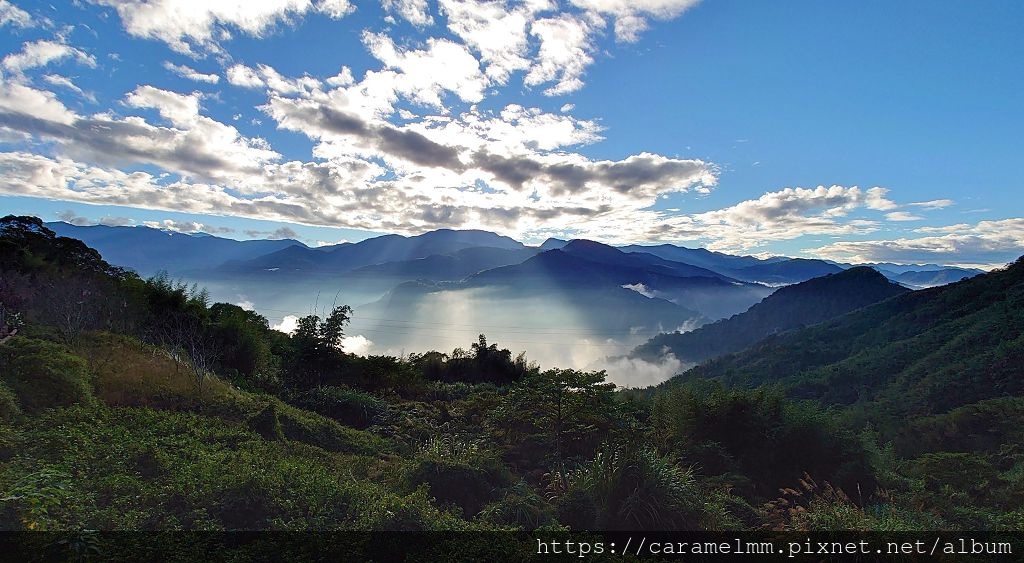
<point x="449" y="267"/>
<point x="148" y="250"/>
<point x="776" y="270"/>
<point x="588" y="265"/>
<point x="701" y="257"/>
<point x="788" y="271"/>
<point x="604" y="254"/>
<point x="377" y="250"/>
<point x="921" y="353"/>
<point x="789" y="308"/>
<point x="933" y="278"/>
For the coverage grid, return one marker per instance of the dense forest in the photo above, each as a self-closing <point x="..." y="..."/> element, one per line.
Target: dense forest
<point x="131" y="403"/>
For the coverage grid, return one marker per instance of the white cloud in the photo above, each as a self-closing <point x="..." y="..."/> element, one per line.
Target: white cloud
<point x="43" y="52"/>
<point x="987" y="243"/>
<point x="13" y="15"/>
<point x="494" y="31"/>
<point x="634" y="372"/>
<point x="191" y="74"/>
<point x="358" y="345"/>
<point x="415" y="12"/>
<point x="287" y="325"/>
<point x="425" y="74"/>
<point x="781" y="215"/>
<point x="65" y="82"/>
<point x="21" y="100"/>
<point x="566" y="49"/>
<point x="179" y="109"/>
<point x="631" y="15"/>
<point x="902" y="216"/>
<point x="192" y="27"/>
<point x="186" y="227"/>
<point x="264" y="76"/>
<point x="933" y="204"/>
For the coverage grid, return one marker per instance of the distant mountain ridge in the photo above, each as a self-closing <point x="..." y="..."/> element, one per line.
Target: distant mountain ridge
<point x="376" y="250"/>
<point x="791" y="307"/>
<point x="921" y="353"/>
<point x="589" y="265"/>
<point x="444" y="255"/>
<point x="148" y="250"/>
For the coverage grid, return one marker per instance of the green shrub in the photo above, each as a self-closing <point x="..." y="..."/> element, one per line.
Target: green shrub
<point x="623" y="488"/>
<point x="139" y="468"/>
<point x="456" y="473"/>
<point x="320" y="431"/>
<point x="348" y="406"/>
<point x="9" y="409"/>
<point x="43" y="374"/>
<point x="520" y="506"/>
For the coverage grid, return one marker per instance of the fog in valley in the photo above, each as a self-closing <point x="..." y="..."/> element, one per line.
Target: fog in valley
<point x="553" y="332"/>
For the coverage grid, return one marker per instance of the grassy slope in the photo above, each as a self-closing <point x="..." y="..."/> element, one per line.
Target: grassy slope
<point x="149" y="453"/>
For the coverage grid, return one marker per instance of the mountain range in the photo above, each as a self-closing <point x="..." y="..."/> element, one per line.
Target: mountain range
<point x="441" y="255"/>
<point x="918" y="354"/>
<point x="791" y="307"/>
<point x="621" y="292"/>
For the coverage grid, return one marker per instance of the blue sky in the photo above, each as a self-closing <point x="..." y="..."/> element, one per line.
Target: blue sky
<point x="869" y="131"/>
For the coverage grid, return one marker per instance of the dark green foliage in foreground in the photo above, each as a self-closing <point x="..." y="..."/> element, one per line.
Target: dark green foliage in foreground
<point x="43" y="374"/>
<point x="757" y="439"/>
<point x="348" y="406"/>
<point x="132" y="468"/>
<point x="143" y="406"/>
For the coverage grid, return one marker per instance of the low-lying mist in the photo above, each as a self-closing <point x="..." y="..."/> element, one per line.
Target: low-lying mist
<point x="553" y="331"/>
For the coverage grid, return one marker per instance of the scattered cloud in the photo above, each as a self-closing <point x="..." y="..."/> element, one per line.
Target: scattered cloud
<point x="933" y="204"/>
<point x="186" y="227"/>
<point x="902" y="216"/>
<point x="987" y="243"/>
<point x="198" y="28"/>
<point x="191" y="74"/>
<point x="73" y="218"/>
<point x="287" y="325"/>
<point x="14" y="16"/>
<point x="43" y="52"/>
<point x="631" y="16"/>
<point x="415" y="12"/>
<point x="65" y="82"/>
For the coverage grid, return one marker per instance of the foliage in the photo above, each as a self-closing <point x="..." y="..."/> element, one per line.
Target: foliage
<point x="129" y="403"/>
<point x="43" y="374"/>
<point x="9" y="408"/>
<point x="348" y="406"/>
<point x="456" y="473"/>
<point x="631" y="488"/>
<point x="561" y="412"/>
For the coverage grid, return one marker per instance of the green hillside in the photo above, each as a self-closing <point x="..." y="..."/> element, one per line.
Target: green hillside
<point x="135" y="404"/>
<point x="792" y="307"/>
<point x="922" y="353"/>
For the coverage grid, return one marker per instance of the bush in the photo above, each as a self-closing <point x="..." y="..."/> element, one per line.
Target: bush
<point x="456" y="473"/>
<point x="633" y="489"/>
<point x="348" y="406"/>
<point x="519" y="506"/>
<point x="9" y="409"/>
<point x="327" y="434"/>
<point x="132" y="468"/>
<point x="43" y="374"/>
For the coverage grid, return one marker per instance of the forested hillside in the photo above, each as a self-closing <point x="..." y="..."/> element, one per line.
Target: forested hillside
<point x="131" y="403"/>
<point x="791" y="307"/>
